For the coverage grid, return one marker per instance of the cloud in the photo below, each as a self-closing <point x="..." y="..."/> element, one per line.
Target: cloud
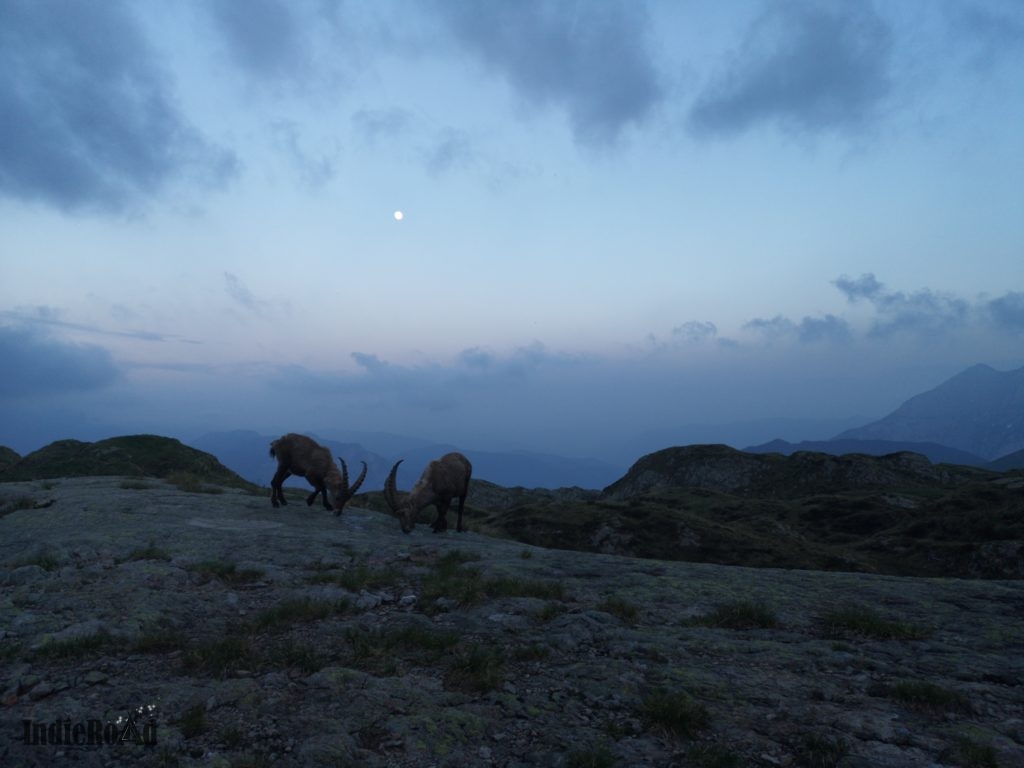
<point x="36" y="364"/>
<point x="924" y="311"/>
<point x="262" y="36"/>
<point x="89" y="121"/>
<point x="694" y="331"/>
<point x="314" y="171"/>
<point x="374" y="124"/>
<point x="453" y="149"/>
<point x="1007" y="312"/>
<point x="994" y="31"/>
<point x="807" y="67"/>
<point x="50" y="317"/>
<point x="591" y="61"/>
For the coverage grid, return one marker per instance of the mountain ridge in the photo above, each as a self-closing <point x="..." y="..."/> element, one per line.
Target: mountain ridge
<point x="979" y="410"/>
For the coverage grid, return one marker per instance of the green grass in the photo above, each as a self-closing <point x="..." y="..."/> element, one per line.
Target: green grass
<point x="675" y="713"/>
<point x="222" y="656"/>
<point x="149" y="552"/>
<point x="225" y="571"/>
<point x="924" y="696"/>
<point x="74" y="647"/>
<point x="817" y="751"/>
<point x="620" y="608"/>
<point x="190" y="482"/>
<point x="7" y="506"/>
<point x="289" y="654"/>
<point x="294" y="611"/>
<point x="596" y="756"/>
<point x="477" y="670"/>
<point x="864" y="622"/>
<point x="967" y="753"/>
<point x="740" y="615"/>
<point x="711" y="756"/>
<point x="509" y="587"/>
<point x="382" y="648"/>
<point x="358" y="577"/>
<point x="45" y="561"/>
<point x="136" y="485"/>
<point x="193" y="721"/>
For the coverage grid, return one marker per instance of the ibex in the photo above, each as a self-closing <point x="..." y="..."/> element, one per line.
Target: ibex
<point x="443" y="480"/>
<point x="299" y="455"/>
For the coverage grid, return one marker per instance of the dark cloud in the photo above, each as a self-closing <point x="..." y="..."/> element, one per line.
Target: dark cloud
<point x="241" y="294"/>
<point x="694" y="331"/>
<point x="263" y="36"/>
<point x="88" y="120"/>
<point x="37" y="364"/>
<point x="453" y="149"/>
<point x="591" y="60"/>
<point x="995" y="30"/>
<point x="48" y="317"/>
<point x="374" y="124"/>
<point x="924" y="311"/>
<point x="828" y="329"/>
<point x="315" y="171"/>
<point x="863" y="287"/>
<point x="1007" y="312"/>
<point x="804" y="66"/>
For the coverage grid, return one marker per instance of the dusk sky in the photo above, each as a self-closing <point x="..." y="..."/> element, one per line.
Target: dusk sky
<point x="617" y="218"/>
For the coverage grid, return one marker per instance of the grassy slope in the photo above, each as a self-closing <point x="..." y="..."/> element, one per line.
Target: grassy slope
<point x="138" y="455"/>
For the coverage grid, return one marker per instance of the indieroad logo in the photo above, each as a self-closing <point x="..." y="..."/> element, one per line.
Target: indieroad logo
<point x="92" y="732"/>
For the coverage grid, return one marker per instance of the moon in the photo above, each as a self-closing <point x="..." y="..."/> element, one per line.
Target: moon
<point x="399" y="215"/>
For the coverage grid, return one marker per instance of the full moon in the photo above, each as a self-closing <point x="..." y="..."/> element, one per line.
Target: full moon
<point x="399" y="215"/>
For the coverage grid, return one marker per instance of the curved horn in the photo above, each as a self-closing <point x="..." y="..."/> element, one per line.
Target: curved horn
<point x="389" y="487"/>
<point x="350" y="492"/>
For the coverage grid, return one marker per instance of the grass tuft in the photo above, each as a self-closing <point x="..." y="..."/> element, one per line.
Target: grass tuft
<point x="863" y="622"/>
<point x="923" y="696"/>
<point x="675" y="713"/>
<point x="817" y="751"/>
<point x="741" y="615"/>
<point x="620" y="608"/>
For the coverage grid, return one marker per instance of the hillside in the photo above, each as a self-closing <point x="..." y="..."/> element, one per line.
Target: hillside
<point x="896" y="514"/>
<point x="980" y="410"/>
<point x="937" y="454"/>
<point x="241" y="635"/>
<point x="134" y="455"/>
<point x="7" y="457"/>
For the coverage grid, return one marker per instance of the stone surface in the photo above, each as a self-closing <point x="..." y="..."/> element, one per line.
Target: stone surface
<point x="249" y="635"/>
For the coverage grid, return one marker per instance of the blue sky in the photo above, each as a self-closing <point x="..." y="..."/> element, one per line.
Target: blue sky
<point x="620" y="218"/>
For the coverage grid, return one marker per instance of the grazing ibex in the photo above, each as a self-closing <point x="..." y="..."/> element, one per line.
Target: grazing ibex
<point x="443" y="480"/>
<point x="299" y="455"/>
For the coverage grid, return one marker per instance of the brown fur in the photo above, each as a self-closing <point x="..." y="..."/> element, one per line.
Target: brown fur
<point x="302" y="456"/>
<point x="444" y="479"/>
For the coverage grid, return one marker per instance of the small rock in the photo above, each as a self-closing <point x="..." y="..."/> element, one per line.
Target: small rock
<point x="93" y="677"/>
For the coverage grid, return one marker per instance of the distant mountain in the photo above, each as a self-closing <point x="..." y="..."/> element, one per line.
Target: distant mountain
<point x="137" y="455"/>
<point x="7" y="457"/>
<point x="980" y="410"/>
<point x="246" y="452"/>
<point x="939" y="454"/>
<point x="1008" y="462"/>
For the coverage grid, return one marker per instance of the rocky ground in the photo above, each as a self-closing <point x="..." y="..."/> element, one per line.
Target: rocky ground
<point x="236" y="634"/>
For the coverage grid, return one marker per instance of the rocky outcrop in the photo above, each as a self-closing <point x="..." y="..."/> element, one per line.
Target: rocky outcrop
<point x="726" y="470"/>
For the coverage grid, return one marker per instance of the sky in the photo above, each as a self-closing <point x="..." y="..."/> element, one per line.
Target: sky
<point x="617" y="218"/>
